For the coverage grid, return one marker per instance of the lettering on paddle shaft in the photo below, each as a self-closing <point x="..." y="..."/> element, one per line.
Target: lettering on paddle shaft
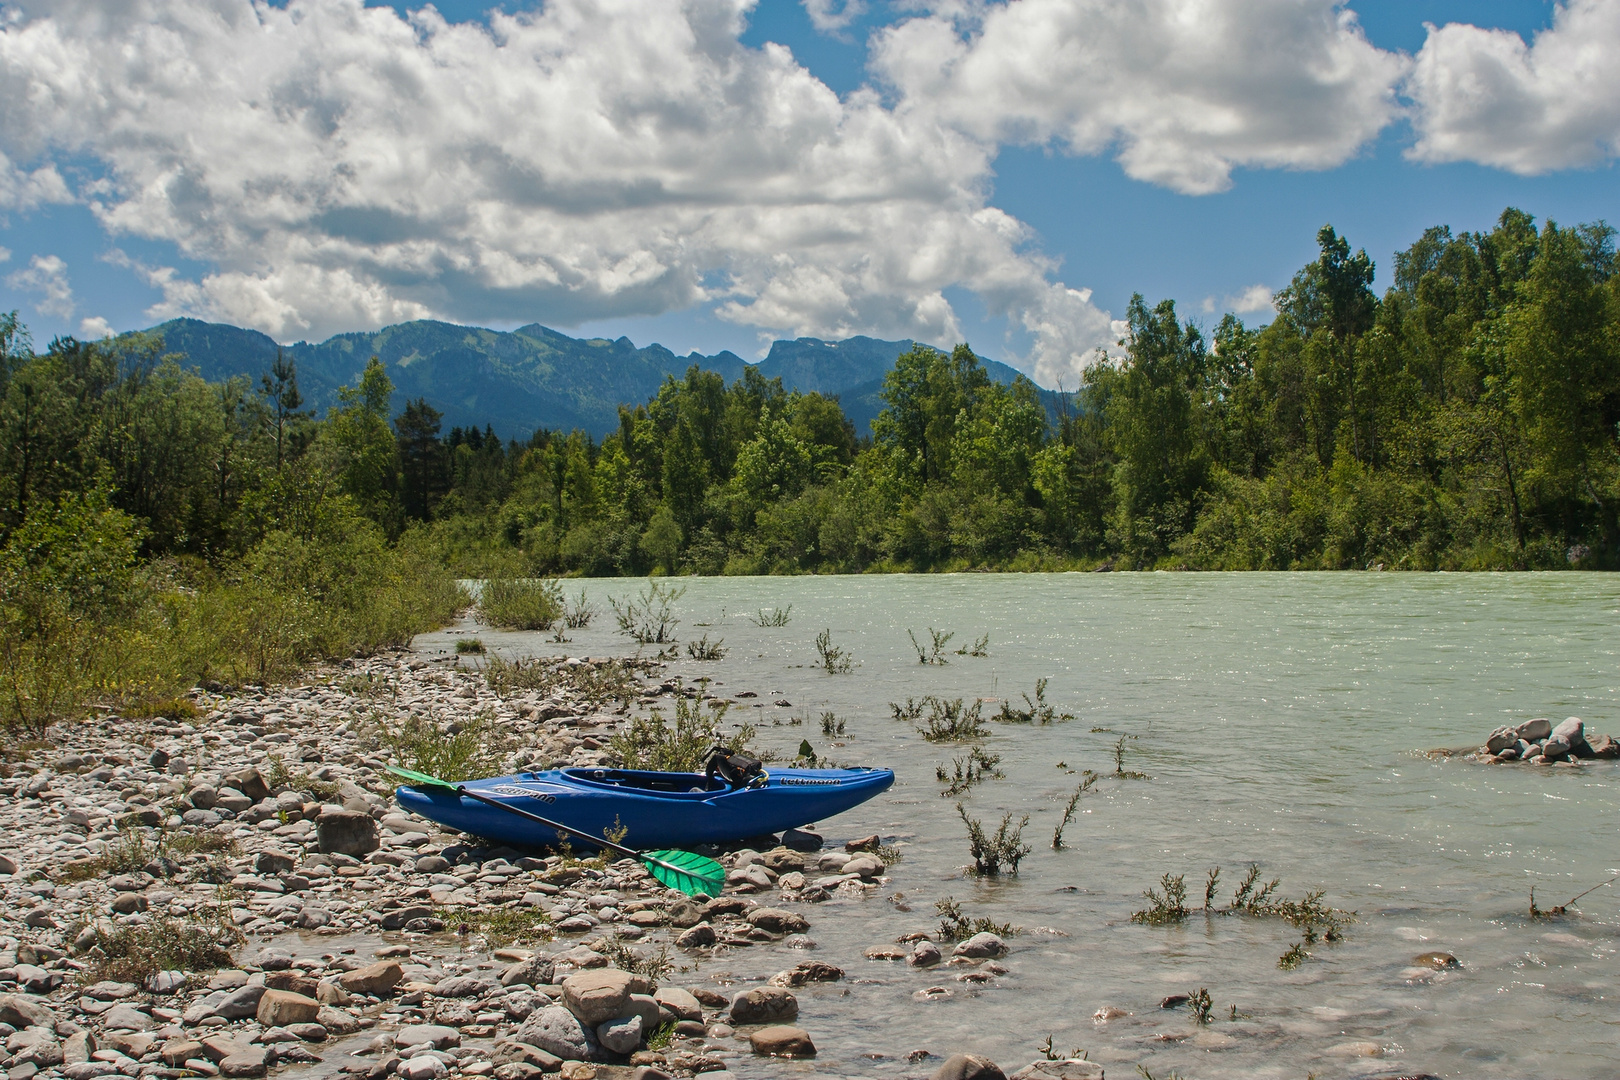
<point x="797" y="782"/>
<point x="512" y="789"/>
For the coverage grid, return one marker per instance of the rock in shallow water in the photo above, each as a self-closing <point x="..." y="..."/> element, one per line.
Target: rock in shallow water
<point x="782" y="1041"/>
<point x="763" y="1005"/>
<point x="968" y="1067"/>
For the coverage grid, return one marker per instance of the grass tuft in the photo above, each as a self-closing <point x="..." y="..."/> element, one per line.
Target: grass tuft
<point x="834" y="660"/>
<point x="933" y="653"/>
<point x="966" y="772"/>
<point x="991" y="853"/>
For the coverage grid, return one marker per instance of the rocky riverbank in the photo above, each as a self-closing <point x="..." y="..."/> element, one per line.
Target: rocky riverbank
<point x="228" y="890"/>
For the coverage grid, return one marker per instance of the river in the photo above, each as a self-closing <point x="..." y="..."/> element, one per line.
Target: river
<point x="1280" y="720"/>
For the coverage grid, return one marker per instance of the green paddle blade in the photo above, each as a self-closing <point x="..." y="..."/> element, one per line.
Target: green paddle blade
<point x="420" y="778"/>
<point x="687" y="871"/>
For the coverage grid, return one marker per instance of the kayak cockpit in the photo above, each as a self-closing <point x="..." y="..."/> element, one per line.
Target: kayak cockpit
<point x="662" y="783"/>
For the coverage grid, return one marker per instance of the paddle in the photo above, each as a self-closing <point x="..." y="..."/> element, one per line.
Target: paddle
<point x="692" y="874"/>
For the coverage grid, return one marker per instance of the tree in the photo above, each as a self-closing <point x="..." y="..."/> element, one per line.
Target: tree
<point x="362" y="449"/>
<point x="423" y="461"/>
<point x="280" y="386"/>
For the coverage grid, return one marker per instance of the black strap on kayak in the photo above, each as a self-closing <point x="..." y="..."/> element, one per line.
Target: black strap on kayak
<point x="738" y="770"/>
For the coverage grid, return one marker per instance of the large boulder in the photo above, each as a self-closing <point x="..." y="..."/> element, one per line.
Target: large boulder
<point x="1501" y="739"/>
<point x="557" y="1031"/>
<point x="346" y="832"/>
<point x="603" y="994"/>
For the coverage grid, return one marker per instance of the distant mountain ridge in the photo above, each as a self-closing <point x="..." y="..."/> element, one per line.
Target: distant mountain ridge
<point x="534" y="377"/>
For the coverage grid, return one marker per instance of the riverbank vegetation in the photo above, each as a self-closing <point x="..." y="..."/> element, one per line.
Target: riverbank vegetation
<point x="158" y="531"/>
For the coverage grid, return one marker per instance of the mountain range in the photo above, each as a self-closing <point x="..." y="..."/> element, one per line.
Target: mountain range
<point x="534" y="377"/>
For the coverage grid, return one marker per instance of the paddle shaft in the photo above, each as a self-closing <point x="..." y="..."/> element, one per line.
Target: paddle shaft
<point x="559" y="826"/>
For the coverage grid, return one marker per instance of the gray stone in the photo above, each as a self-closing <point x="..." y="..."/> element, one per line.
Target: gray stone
<point x="337" y="1021"/>
<point x="460" y="986"/>
<point x="981" y="945"/>
<point x="399" y="917"/>
<point x="924" y="954"/>
<point x="239" y="1004"/>
<point x="273" y="862"/>
<point x="801" y="840"/>
<point x="763" y="1005"/>
<point x="1501" y="739"/>
<point x="968" y="1067"/>
<point x="1573" y="732"/>
<point x="127" y="1018"/>
<point x="422" y="1067"/>
<point x="21" y="1011"/>
<point x="8" y="865"/>
<point x="347" y="832"/>
<point x="1535" y="730"/>
<point x="35" y="1046"/>
<point x="426" y="1036"/>
<point x="680" y="1002"/>
<point x="780" y="1040"/>
<point x="557" y="1031"/>
<point x="535" y="971"/>
<point x="1555" y="749"/>
<point x="620" y="1036"/>
<point x="374" y="979"/>
<point x="164" y="983"/>
<point x="778" y="920"/>
<point x="595" y="996"/>
<point x="696" y="937"/>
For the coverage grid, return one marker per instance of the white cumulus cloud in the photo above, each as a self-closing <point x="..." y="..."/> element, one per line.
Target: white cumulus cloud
<point x="1183" y="90"/>
<point x="47" y="276"/>
<point x="94" y="328"/>
<point x="1484" y="95"/>
<point x="1255" y="298"/>
<point x="342" y="167"/>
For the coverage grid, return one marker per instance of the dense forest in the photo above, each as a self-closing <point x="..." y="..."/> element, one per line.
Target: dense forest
<point x="1467" y="419"/>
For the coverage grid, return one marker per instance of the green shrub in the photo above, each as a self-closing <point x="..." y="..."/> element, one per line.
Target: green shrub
<point x="463" y="750"/>
<point x="652" y="743"/>
<point x="521" y="603"/>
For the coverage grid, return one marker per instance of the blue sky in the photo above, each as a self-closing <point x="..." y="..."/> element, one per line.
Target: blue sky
<point x="1100" y="228"/>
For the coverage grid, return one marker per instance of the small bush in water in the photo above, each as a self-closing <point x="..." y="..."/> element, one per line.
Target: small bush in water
<point x="521" y="603"/>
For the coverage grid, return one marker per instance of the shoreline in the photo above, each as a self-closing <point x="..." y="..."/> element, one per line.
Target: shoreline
<point x="360" y="932"/>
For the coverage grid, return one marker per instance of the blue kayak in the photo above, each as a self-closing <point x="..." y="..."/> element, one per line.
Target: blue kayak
<point x="659" y="809"/>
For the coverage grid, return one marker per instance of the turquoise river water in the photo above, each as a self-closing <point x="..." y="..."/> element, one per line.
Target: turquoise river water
<point x="1281" y="720"/>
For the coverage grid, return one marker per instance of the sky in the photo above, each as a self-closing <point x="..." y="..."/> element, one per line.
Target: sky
<point x="715" y="174"/>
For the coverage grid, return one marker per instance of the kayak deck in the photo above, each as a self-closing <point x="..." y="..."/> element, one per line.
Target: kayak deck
<point x="656" y="809"/>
